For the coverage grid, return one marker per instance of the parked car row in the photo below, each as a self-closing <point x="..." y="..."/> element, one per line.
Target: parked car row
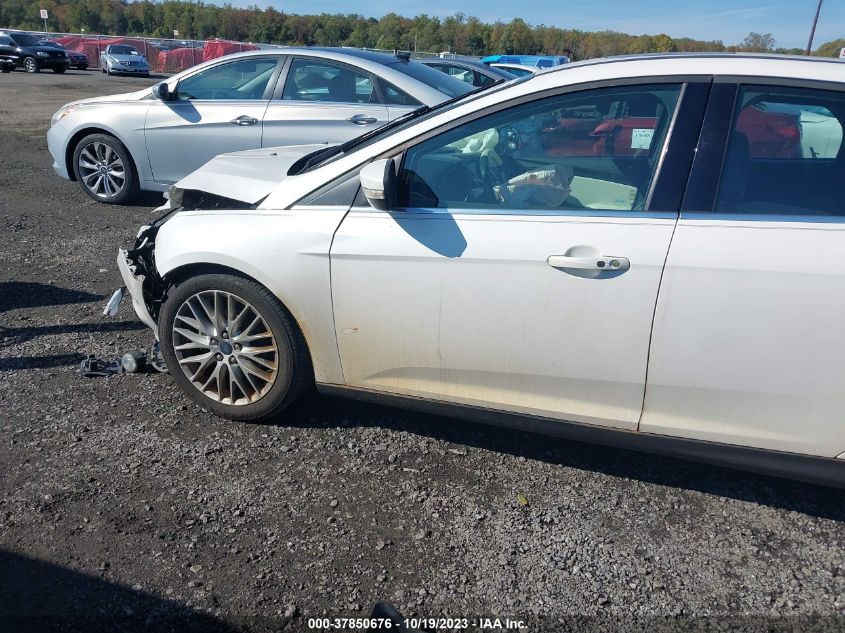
<point x="592" y="251"/>
<point x="27" y="52"/>
<point x="24" y="50"/>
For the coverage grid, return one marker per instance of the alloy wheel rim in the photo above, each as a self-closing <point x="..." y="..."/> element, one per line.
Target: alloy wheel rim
<point x="101" y="170"/>
<point x="225" y="347"/>
<point x="30" y="64"/>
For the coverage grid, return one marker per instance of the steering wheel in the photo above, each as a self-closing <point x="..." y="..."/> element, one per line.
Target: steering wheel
<point x="491" y="177"/>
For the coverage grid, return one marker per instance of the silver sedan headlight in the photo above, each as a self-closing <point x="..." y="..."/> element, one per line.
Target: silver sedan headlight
<point x="62" y="113"/>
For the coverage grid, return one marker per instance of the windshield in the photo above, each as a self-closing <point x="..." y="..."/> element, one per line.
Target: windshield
<point x="24" y="39"/>
<point x="123" y="50"/>
<point x="441" y="82"/>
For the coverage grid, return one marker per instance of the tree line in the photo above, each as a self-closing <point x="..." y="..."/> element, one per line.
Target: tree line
<point x="457" y="33"/>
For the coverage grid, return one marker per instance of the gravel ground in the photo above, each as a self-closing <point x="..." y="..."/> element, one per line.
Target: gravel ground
<point x="125" y="507"/>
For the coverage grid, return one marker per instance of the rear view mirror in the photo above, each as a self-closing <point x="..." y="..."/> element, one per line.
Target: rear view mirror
<point x="378" y="181"/>
<point x="161" y="91"/>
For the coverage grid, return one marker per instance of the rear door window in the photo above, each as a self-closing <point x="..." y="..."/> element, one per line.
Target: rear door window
<point x="784" y="153"/>
<point x="327" y="82"/>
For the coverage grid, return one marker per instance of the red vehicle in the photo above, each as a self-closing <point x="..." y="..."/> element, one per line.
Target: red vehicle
<point x="586" y="137"/>
<point x="769" y="134"/>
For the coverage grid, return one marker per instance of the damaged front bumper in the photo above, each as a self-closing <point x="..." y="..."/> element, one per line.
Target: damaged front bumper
<point x="140" y="277"/>
<point x="135" y="284"/>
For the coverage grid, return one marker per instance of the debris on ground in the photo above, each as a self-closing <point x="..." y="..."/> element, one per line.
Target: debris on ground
<point x="133" y="362"/>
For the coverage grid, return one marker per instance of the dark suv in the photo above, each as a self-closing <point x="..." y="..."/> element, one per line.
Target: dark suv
<point x="27" y="52"/>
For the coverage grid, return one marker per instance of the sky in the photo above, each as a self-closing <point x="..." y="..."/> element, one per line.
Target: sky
<point x="726" y="20"/>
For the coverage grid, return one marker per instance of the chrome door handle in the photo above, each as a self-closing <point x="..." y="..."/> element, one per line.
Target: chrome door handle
<point x="244" y="120"/>
<point x="362" y="119"/>
<point x="601" y="262"/>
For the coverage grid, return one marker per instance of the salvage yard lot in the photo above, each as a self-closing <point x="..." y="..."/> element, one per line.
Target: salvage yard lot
<point x="121" y="499"/>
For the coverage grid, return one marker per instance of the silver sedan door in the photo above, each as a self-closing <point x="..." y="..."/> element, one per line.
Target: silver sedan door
<point x="214" y="111"/>
<point x="322" y="101"/>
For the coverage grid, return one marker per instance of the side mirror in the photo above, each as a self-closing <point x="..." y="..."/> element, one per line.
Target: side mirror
<point x="378" y="181"/>
<point x="161" y="91"/>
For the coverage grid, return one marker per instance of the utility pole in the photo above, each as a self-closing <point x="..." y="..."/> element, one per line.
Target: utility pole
<point x="813" y="30"/>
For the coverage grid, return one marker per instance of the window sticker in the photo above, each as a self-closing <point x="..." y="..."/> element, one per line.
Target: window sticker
<point x="641" y="138"/>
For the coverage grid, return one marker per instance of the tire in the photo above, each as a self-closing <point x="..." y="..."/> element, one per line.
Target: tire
<point x="98" y="156"/>
<point x="59" y="70"/>
<point x="30" y="65"/>
<point x="293" y="372"/>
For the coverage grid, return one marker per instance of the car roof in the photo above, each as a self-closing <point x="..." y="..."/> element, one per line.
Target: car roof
<point x="762" y="64"/>
<point x="329" y="52"/>
<point x="533" y="69"/>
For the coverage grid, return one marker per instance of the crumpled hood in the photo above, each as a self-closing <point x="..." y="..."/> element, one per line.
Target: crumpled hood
<point x="248" y="176"/>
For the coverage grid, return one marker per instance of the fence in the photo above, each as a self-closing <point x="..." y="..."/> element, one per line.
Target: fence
<point x="171" y="55"/>
<point x="163" y="55"/>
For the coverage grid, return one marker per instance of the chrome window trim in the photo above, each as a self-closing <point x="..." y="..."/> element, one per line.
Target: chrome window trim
<point x="519" y="213"/>
<point x="764" y="217"/>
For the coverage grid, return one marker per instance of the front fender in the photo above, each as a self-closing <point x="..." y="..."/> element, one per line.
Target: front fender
<point x="285" y="251"/>
<point x="124" y="120"/>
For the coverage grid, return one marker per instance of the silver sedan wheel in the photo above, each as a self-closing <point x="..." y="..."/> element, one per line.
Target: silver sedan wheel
<point x="101" y="170"/>
<point x="225" y="347"/>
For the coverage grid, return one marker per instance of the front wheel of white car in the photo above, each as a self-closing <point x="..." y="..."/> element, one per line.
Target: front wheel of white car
<point x="232" y="347"/>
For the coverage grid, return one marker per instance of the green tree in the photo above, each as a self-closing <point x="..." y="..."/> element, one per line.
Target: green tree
<point x="467" y="35"/>
<point x="830" y="49"/>
<point x="758" y="42"/>
<point x="642" y="44"/>
<point x="517" y="38"/>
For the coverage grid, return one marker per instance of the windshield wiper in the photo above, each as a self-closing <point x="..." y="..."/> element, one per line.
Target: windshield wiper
<point x="309" y="160"/>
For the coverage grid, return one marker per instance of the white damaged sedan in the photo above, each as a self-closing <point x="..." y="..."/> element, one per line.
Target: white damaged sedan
<point x="616" y="251"/>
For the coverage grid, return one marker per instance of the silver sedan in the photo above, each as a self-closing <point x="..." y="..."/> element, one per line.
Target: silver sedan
<point x="123" y="59"/>
<point x="116" y="145"/>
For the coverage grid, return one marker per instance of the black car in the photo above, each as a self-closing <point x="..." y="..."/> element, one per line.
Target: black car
<point x="77" y="60"/>
<point x="479" y="75"/>
<point x="27" y="52"/>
